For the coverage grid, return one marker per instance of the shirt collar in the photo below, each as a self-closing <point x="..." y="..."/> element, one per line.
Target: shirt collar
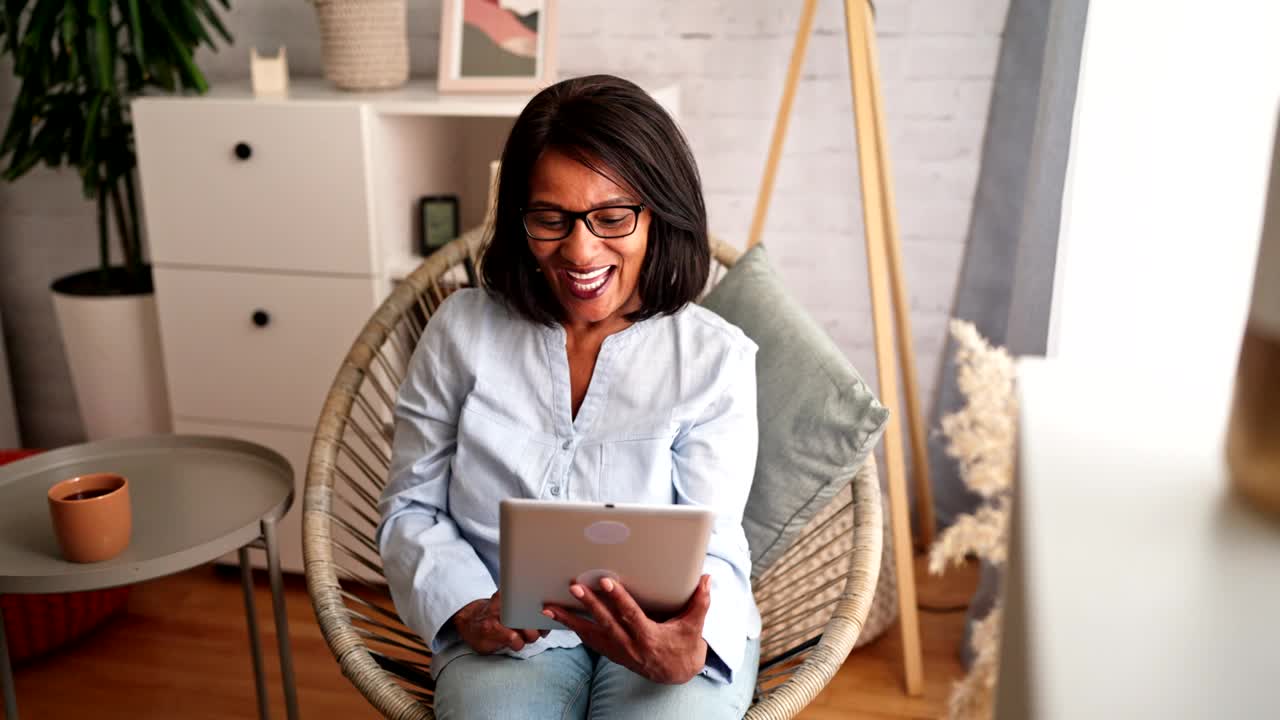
<point x="621" y="338"/>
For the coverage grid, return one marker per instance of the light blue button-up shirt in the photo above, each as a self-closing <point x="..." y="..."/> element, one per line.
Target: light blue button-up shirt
<point x="485" y="413"/>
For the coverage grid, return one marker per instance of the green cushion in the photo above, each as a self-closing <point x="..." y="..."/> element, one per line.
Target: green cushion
<point x="818" y="418"/>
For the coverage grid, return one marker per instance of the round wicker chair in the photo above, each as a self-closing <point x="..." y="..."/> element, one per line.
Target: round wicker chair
<point x="814" y="600"/>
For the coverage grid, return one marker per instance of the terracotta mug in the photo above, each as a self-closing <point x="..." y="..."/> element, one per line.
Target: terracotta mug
<point x="91" y="516"/>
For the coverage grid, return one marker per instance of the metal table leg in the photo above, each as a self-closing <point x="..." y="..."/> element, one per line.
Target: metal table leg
<point x="282" y="620"/>
<point x="6" y="675"/>
<point x="251" y="615"/>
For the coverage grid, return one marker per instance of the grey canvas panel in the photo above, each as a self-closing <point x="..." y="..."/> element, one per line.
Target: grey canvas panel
<point x="1006" y="281"/>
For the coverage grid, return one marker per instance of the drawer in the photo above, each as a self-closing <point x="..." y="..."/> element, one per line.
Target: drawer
<point x="296" y="201"/>
<point x="295" y="446"/>
<point x="256" y="347"/>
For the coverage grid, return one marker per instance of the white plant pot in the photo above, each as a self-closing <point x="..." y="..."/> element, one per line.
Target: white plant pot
<point x="112" y="345"/>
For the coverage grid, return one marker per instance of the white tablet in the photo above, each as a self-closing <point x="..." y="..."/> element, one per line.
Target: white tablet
<point x="655" y="551"/>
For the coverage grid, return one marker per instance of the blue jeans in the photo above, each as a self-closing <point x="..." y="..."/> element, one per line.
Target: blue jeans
<point x="577" y="683"/>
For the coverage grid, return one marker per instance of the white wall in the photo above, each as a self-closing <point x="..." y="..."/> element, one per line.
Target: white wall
<point x="1175" y="116"/>
<point x="937" y="60"/>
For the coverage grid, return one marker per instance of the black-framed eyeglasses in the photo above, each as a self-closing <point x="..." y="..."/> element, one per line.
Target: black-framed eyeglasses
<point x="610" y="222"/>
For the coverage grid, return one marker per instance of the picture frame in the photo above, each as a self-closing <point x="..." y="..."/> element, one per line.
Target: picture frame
<point x="439" y="225"/>
<point x="437" y="222"/>
<point x="497" y="45"/>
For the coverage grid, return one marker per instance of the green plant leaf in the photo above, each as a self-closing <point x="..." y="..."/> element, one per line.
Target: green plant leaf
<point x="89" y="185"/>
<point x="188" y="73"/>
<point x="12" y="30"/>
<point x="37" y="38"/>
<point x="32" y="154"/>
<point x="92" y="119"/>
<point x="18" y="144"/>
<point x="212" y="16"/>
<point x="77" y="63"/>
<point x="134" y="74"/>
<point x="103" y="47"/>
<point x="191" y="25"/>
<point x="76" y="129"/>
<point x="53" y="136"/>
<point x="22" y="164"/>
<point x="62" y="60"/>
<point x="135" y="31"/>
<point x="163" y="78"/>
<point x="19" y="128"/>
<point x="67" y="41"/>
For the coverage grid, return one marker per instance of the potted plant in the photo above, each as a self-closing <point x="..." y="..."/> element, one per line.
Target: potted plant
<point x="79" y="63"/>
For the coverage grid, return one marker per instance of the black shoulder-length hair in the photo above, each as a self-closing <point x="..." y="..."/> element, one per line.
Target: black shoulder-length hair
<point x="618" y="130"/>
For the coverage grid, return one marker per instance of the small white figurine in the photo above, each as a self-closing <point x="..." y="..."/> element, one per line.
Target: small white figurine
<point x="270" y="74"/>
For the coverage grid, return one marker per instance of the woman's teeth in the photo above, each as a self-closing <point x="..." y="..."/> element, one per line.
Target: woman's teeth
<point x="590" y="275"/>
<point x="590" y="281"/>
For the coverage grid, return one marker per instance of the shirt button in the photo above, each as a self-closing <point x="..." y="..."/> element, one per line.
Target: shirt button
<point x="555" y="490"/>
<point x="567" y="444"/>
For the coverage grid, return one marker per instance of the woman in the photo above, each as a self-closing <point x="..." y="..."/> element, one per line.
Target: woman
<point x="581" y="373"/>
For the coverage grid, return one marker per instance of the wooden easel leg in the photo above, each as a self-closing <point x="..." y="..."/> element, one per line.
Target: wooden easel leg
<point x="873" y="210"/>
<point x="901" y="305"/>
<point x="780" y="123"/>
<point x="888" y="300"/>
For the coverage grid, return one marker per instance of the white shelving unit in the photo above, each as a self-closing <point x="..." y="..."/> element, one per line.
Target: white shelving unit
<point x="276" y="226"/>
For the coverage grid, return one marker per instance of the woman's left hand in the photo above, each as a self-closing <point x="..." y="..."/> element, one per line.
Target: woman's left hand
<point x="670" y="652"/>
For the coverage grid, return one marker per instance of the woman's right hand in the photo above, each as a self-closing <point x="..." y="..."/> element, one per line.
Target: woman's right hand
<point x="480" y="625"/>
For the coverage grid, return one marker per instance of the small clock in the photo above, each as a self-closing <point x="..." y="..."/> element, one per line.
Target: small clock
<point x="439" y="217"/>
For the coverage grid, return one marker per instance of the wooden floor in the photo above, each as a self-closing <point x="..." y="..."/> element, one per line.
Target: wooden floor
<point x="180" y="650"/>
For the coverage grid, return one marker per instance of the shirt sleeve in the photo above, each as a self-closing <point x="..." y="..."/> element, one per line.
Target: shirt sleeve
<point x="431" y="569"/>
<point x="713" y="463"/>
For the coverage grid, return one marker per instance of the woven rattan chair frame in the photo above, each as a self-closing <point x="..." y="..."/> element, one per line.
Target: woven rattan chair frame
<point x="813" y="600"/>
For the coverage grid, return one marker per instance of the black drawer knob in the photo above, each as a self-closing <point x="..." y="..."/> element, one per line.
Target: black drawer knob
<point x="243" y="151"/>
<point x="261" y="318"/>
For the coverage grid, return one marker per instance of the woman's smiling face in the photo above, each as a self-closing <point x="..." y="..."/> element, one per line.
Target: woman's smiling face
<point x="595" y="279"/>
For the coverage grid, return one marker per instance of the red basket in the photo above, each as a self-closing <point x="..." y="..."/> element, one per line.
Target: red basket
<point x="37" y="624"/>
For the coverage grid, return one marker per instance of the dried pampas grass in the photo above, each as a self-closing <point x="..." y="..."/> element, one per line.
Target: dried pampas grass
<point x="981" y="437"/>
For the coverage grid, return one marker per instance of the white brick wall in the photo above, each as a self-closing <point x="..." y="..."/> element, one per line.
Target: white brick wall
<point x="937" y="59"/>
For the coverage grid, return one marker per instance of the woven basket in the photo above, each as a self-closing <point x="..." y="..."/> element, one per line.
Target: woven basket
<point x="40" y="624"/>
<point x="365" y="43"/>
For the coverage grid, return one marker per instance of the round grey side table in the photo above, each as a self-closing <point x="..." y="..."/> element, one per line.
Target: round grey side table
<point x="194" y="499"/>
